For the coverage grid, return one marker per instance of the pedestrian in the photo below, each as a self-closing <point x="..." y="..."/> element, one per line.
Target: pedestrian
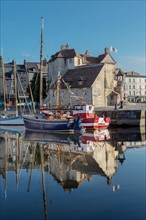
<point x="115" y="106"/>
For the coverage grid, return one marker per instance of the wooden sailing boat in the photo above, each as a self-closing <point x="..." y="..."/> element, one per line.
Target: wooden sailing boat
<point x="51" y="123"/>
<point x="6" y="119"/>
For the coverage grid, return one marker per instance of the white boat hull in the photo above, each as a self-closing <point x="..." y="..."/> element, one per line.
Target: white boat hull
<point x="11" y="121"/>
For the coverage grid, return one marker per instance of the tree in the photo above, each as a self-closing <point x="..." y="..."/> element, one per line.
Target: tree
<point x="35" y="87"/>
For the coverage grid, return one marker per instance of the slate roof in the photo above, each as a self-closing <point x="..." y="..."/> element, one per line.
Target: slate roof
<point x="31" y="66"/>
<point x="91" y="60"/>
<point x="8" y="65"/>
<point x="66" y="53"/>
<point x="132" y="73"/>
<point x="94" y="60"/>
<point x="20" y="67"/>
<point x="84" y="74"/>
<point x="120" y="73"/>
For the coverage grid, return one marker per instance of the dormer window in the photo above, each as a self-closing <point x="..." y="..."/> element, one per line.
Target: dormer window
<point x="78" y="61"/>
<point x="80" y="82"/>
<point x="120" y="78"/>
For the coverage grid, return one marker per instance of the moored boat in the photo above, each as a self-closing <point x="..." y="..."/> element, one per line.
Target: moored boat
<point x="11" y="121"/>
<point x="88" y="119"/>
<point x="8" y="119"/>
<point x="96" y="135"/>
<point x="48" y="125"/>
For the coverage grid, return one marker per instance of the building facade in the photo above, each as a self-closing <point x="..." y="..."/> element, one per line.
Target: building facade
<point x="24" y="75"/>
<point x="135" y="87"/>
<point x="89" y="79"/>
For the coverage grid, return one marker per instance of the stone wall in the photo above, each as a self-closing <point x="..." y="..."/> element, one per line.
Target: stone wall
<point x="125" y="117"/>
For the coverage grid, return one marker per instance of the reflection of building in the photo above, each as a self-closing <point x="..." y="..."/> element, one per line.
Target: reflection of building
<point x="69" y="163"/>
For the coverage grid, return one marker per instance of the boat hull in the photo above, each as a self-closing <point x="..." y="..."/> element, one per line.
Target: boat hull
<point x="95" y="123"/>
<point x="12" y="121"/>
<point x="55" y="125"/>
<point x="48" y="137"/>
<point x="95" y="136"/>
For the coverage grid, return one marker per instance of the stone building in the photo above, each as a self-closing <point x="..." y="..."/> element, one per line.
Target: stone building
<point x="24" y="74"/>
<point x="62" y="61"/>
<point x="86" y="78"/>
<point x="9" y="82"/>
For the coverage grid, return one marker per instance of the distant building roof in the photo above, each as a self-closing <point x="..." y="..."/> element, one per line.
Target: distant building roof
<point x="65" y="53"/>
<point x="31" y="66"/>
<point x="132" y="73"/>
<point x="103" y="58"/>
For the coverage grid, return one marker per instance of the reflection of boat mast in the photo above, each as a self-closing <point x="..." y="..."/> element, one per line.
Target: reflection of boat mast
<point x="6" y="166"/>
<point x="17" y="158"/>
<point x="32" y="163"/>
<point x="43" y="182"/>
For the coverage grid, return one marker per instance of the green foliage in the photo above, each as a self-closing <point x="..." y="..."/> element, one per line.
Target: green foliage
<point x="35" y="87"/>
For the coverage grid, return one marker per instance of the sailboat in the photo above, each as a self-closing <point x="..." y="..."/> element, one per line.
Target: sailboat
<point x="51" y="123"/>
<point x="8" y="119"/>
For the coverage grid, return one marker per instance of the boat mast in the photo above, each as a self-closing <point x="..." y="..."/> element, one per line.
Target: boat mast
<point x="4" y="85"/>
<point x="31" y="95"/>
<point x="57" y="90"/>
<point x="41" y="60"/>
<point x="15" y="82"/>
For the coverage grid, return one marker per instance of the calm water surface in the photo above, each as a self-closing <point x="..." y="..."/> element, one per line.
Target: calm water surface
<point x="66" y="177"/>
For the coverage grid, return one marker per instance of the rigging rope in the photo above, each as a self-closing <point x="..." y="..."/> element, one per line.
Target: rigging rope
<point x="23" y="92"/>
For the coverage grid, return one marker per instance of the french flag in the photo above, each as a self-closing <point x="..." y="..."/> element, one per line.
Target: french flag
<point x="112" y="49"/>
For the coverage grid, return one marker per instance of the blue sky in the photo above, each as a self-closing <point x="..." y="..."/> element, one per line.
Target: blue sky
<point x="84" y="25"/>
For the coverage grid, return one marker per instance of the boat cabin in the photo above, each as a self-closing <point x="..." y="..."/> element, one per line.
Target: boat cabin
<point x="84" y="111"/>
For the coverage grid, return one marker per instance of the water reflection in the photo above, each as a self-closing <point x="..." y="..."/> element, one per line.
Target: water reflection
<point x="70" y="159"/>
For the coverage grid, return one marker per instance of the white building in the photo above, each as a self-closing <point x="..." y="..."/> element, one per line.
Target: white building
<point x="135" y="87"/>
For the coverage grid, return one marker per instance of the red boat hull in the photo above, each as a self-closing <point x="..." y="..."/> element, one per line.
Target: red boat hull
<point x="95" y="123"/>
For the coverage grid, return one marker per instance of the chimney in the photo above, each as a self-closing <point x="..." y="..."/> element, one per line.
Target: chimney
<point x="24" y="62"/>
<point x="106" y="50"/>
<point x="86" y="52"/>
<point x="65" y="47"/>
<point x="13" y="62"/>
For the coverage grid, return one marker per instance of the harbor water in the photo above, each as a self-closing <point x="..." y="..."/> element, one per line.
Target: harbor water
<point x="94" y="176"/>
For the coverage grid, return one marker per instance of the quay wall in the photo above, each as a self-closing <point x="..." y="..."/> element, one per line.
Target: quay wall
<point x="124" y="117"/>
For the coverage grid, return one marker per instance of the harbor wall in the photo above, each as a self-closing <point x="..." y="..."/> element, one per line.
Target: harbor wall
<point x="125" y="117"/>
